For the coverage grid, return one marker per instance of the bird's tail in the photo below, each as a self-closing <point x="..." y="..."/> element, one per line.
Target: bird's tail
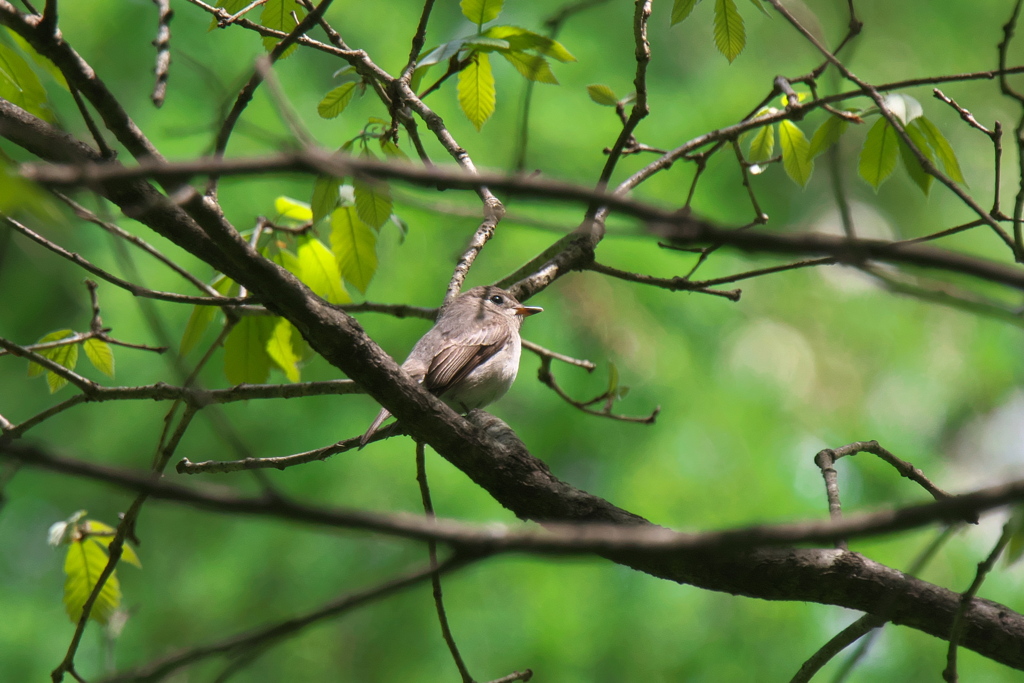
<point x="381" y="416"/>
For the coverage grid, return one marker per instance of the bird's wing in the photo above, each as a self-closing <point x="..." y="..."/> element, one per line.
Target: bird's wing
<point x="459" y="357"/>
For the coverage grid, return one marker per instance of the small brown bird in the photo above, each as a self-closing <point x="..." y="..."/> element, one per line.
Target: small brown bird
<point x="470" y="357"/>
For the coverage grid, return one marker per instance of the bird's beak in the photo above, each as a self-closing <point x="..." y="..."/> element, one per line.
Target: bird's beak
<point x="528" y="310"/>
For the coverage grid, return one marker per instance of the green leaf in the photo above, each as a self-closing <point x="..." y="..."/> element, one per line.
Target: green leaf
<point x="914" y="169"/>
<point x="17" y="194"/>
<point x="277" y="14"/>
<point x="521" y="39"/>
<point x="795" y="157"/>
<point x="878" y="157"/>
<point x="532" y="67"/>
<point x="336" y="100"/>
<point x="476" y="90"/>
<point x="762" y="146"/>
<point x="441" y="53"/>
<point x="198" y="321"/>
<point x="100" y="355"/>
<point x="391" y="150"/>
<point x="202" y="316"/>
<point x="613" y="378"/>
<point x="903" y="107"/>
<point x="293" y="210"/>
<point x="730" y="37"/>
<point x="325" y="196"/>
<point x="486" y="43"/>
<point x="231" y="7"/>
<point x="758" y="5"/>
<point x="355" y="247"/>
<point x="828" y="134"/>
<point x="602" y="94"/>
<point x="1015" y="527"/>
<point x="373" y="198"/>
<point x="83" y="565"/>
<point x="20" y="85"/>
<point x="280" y="349"/>
<point x="43" y="62"/>
<point x="347" y="74"/>
<point x="481" y="11"/>
<point x="942" y="148"/>
<point x="319" y="270"/>
<point x="245" y="350"/>
<point x="681" y="9"/>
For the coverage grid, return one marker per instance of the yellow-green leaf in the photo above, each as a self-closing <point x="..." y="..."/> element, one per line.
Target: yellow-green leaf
<point x="355" y="247"/>
<point x="293" y="209"/>
<point x="100" y="355"/>
<point x="730" y="37"/>
<point x="336" y="100"/>
<point x="828" y="134"/>
<point x="476" y="90"/>
<point x="104" y="533"/>
<point x="795" y="157"/>
<point x="602" y="94"/>
<point x="942" y="148"/>
<point x="762" y="146"/>
<point x="319" y="270"/>
<point x="922" y="178"/>
<point x="281" y="351"/>
<point x="532" y="67"/>
<point x="277" y="14"/>
<point x="65" y="355"/>
<point x="20" y="85"/>
<point x="34" y="369"/>
<point x="878" y="156"/>
<point x="681" y="9"/>
<point x="481" y="11"/>
<point x="82" y="566"/>
<point x="245" y="350"/>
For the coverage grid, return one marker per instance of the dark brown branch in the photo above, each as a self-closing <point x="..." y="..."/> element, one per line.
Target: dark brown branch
<point x="680" y="229"/>
<point x="774" y="574"/>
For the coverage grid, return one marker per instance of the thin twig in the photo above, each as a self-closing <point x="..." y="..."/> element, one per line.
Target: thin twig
<point x="949" y="674"/>
<point x="115" y="280"/>
<point x="435" y="578"/>
<point x="546" y="353"/>
<point x="163" y="51"/>
<point x="545" y="376"/>
<point x="263" y="638"/>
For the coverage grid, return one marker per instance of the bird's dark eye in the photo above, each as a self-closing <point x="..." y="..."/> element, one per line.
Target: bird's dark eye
<point x="497" y="299"/>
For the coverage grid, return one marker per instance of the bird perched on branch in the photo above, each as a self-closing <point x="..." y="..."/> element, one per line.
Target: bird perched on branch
<point x="470" y="357"/>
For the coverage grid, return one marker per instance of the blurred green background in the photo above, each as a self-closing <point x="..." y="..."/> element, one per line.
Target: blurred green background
<point x="749" y="391"/>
